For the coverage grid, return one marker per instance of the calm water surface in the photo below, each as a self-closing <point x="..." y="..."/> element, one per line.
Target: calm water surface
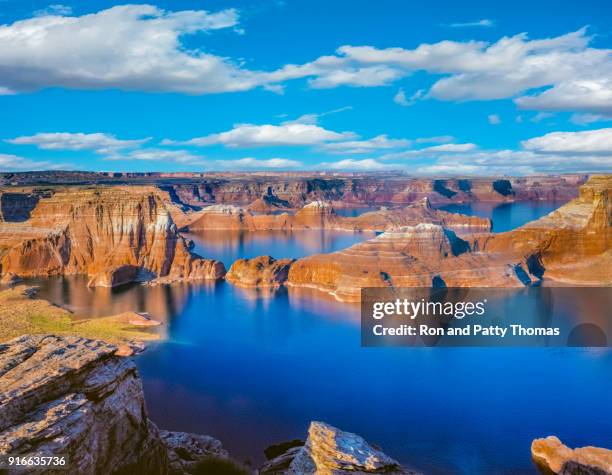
<point x="505" y="216"/>
<point x="253" y="369"/>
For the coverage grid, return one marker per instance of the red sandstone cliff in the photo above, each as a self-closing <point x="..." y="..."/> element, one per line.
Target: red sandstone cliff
<point x="321" y="215"/>
<point x="113" y="234"/>
<point x="571" y="244"/>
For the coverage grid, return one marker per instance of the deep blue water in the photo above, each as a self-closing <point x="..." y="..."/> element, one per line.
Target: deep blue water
<point x="505" y="216"/>
<point x="253" y="369"/>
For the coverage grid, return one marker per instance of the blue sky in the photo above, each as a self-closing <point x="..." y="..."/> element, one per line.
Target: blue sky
<point x="433" y="88"/>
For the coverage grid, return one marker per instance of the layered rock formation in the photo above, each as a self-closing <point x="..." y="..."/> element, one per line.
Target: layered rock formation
<point x="113" y="234"/>
<point x="331" y="451"/>
<point x="321" y="215"/>
<point x="413" y="256"/>
<point x="72" y="396"/>
<point x="551" y="456"/>
<point x="297" y="189"/>
<point x="571" y="244"/>
<point x="262" y="271"/>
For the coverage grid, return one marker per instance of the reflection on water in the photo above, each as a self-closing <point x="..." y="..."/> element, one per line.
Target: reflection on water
<point x="229" y="245"/>
<point x="354" y="212"/>
<point x="253" y="368"/>
<point x="506" y="216"/>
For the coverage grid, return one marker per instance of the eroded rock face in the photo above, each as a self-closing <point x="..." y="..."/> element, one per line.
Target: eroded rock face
<point x="413" y="256"/>
<point x="572" y="244"/>
<point x="552" y="456"/>
<point x="73" y="396"/>
<point x="321" y="215"/>
<point x="262" y="271"/>
<point x="330" y="451"/>
<point x="113" y="234"/>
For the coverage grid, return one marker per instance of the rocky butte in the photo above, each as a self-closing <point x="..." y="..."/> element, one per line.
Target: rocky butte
<point x="322" y="215"/>
<point x="113" y="234"/>
<point x="571" y="244"/>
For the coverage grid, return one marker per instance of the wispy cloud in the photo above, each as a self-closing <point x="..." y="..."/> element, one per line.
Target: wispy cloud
<point x="485" y="23"/>
<point x="401" y="99"/>
<point x="54" y="10"/>
<point x="15" y="163"/>
<point x="494" y="119"/>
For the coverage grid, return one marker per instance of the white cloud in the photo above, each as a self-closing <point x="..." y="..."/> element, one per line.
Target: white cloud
<point x="140" y="47"/>
<point x="156" y="155"/>
<point x="514" y="162"/>
<point x="257" y="164"/>
<point x="585" y="142"/>
<point x="482" y="23"/>
<point x="401" y="99"/>
<point x="130" y="47"/>
<point x="585" y="119"/>
<point x="15" y="163"/>
<point x="540" y="116"/>
<point x="100" y="142"/>
<point x="367" y="164"/>
<point x="380" y="142"/>
<point x="55" y="9"/>
<point x="249" y="135"/>
<point x="494" y="119"/>
<point x="450" y="148"/>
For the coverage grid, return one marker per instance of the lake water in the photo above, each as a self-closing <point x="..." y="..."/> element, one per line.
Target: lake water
<point x="254" y="368"/>
<point x="505" y="216"/>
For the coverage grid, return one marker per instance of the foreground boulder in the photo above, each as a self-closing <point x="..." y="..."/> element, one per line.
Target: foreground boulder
<point x="186" y="451"/>
<point x="330" y="451"/>
<point x="552" y="456"/>
<point x="73" y="396"/>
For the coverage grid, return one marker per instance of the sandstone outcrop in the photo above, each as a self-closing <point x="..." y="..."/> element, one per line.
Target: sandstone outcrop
<point x="572" y="244"/>
<point x="413" y="256"/>
<point x="262" y="271"/>
<point x="321" y="215"/>
<point x="552" y="456"/>
<point x="72" y="396"/>
<point x="113" y="234"/>
<point x="331" y="451"/>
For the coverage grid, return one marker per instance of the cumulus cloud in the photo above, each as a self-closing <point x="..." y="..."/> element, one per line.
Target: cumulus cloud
<point x="258" y="164"/>
<point x="596" y="142"/>
<point x="250" y="135"/>
<point x="15" y="163"/>
<point x="436" y="139"/>
<point x="494" y="119"/>
<point x="99" y="142"/>
<point x="141" y="47"/>
<point x="130" y="47"/>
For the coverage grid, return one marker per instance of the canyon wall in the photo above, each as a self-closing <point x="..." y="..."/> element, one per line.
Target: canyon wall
<point x="113" y="234"/>
<point x="321" y="215"/>
<point x="571" y="244"/>
<point x="297" y="189"/>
